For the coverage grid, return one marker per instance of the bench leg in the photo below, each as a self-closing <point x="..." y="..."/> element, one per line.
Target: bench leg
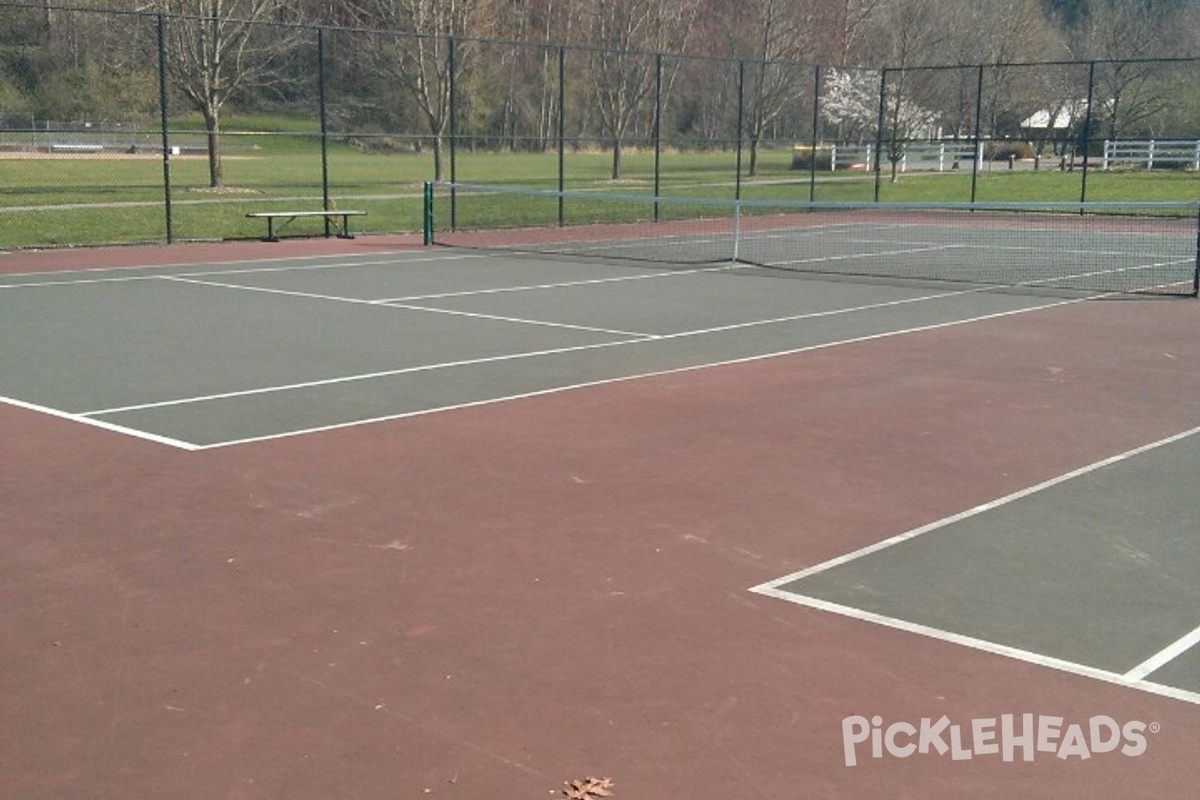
<point x="345" y="233"/>
<point x="271" y="237"/>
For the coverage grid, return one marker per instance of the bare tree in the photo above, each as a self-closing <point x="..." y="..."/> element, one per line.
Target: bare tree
<point x="843" y="23"/>
<point x="624" y="32"/>
<point x="908" y="33"/>
<point x="1000" y="34"/>
<point x="413" y="46"/>
<point x="222" y="50"/>
<point x="780" y="35"/>
<point x="1119" y="33"/>
<point x="75" y="64"/>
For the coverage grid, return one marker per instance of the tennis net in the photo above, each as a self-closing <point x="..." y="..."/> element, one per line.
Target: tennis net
<point x="1135" y="247"/>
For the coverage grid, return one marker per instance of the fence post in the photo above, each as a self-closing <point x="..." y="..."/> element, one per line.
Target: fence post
<point x="562" y="132"/>
<point x="741" y="81"/>
<point x="163" y="114"/>
<point x="453" y="111"/>
<point x="1150" y="155"/>
<point x="816" y="121"/>
<point x="879" y="130"/>
<point x="657" y="130"/>
<point x="1085" y="135"/>
<point x="978" y="159"/>
<point x="324" y="127"/>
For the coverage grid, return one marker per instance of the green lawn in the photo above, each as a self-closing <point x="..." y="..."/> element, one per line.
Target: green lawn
<point x="275" y="164"/>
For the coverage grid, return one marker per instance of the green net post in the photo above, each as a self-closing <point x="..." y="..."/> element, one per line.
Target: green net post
<point x="427" y="213"/>
<point x="1196" y="266"/>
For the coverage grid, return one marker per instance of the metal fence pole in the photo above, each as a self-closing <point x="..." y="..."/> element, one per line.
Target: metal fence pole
<point x="812" y="155"/>
<point x="741" y="83"/>
<point x="879" y="130"/>
<point x="324" y="126"/>
<point x="453" y="112"/>
<point x="657" y="130"/>
<point x="1086" y="134"/>
<point x="978" y="143"/>
<point x="562" y="133"/>
<point x="164" y="116"/>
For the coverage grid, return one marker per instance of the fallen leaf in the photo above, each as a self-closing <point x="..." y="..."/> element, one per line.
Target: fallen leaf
<point x="588" y="788"/>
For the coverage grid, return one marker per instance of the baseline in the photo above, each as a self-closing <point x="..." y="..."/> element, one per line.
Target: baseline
<point x="1134" y="678"/>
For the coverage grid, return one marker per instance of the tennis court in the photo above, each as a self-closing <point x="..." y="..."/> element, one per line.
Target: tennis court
<point x="370" y="519"/>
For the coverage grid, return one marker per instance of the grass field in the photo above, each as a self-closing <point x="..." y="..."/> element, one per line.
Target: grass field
<point x="270" y="164"/>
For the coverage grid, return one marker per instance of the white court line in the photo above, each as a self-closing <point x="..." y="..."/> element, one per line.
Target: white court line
<point x="930" y="249"/>
<point x="367" y="376"/>
<point x="397" y="264"/>
<point x="640" y="339"/>
<point x="560" y="284"/>
<point x="994" y="648"/>
<point x="1165" y="656"/>
<point x="187" y="264"/>
<point x="620" y="379"/>
<point x="389" y="304"/>
<point x="1132" y="679"/>
<point x="108" y="426"/>
<point x="518" y="320"/>
<point x="250" y="270"/>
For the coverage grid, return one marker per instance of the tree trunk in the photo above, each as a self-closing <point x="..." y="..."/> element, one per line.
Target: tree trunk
<point x="212" y="121"/>
<point x="616" y="162"/>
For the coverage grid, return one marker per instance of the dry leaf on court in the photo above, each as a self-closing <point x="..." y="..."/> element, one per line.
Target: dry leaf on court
<point x="588" y="788"/>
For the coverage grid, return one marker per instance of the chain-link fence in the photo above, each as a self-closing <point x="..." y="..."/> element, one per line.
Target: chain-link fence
<point x="174" y="127"/>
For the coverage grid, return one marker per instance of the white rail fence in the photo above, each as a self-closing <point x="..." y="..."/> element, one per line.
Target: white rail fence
<point x="1151" y="154"/>
<point x="951" y="155"/>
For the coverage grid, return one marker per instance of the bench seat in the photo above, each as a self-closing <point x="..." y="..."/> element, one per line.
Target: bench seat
<point x="289" y="216"/>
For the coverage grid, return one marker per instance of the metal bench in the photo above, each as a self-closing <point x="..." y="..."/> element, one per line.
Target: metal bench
<point x="72" y="147"/>
<point x="290" y="216"/>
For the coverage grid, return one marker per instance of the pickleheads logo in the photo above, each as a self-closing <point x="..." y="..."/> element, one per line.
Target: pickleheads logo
<point x="1006" y="737"/>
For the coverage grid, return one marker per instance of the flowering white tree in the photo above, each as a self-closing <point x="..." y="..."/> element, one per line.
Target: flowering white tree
<point x="851" y="102"/>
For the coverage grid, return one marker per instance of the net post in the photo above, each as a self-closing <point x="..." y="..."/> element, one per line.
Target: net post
<point x="1196" y="267"/>
<point x="427" y="213"/>
<point x="737" y="232"/>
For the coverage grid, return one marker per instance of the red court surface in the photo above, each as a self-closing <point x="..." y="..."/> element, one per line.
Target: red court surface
<point x="488" y="602"/>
